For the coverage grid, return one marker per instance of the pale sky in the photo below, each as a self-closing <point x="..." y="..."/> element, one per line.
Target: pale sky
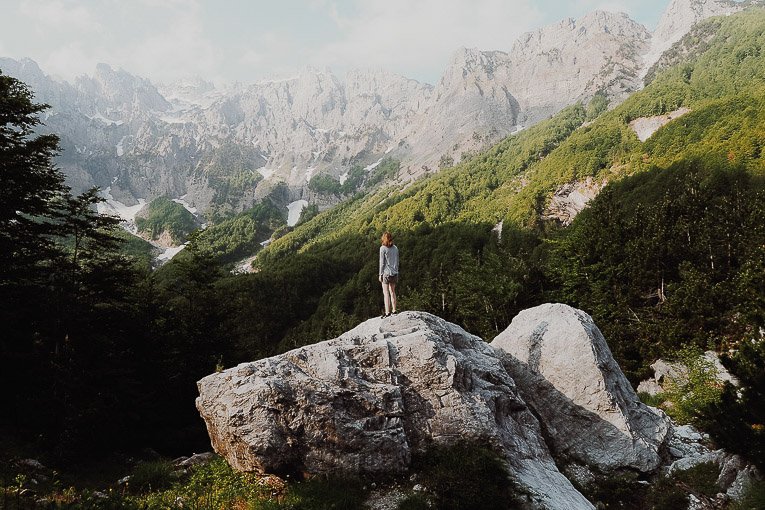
<point x="251" y="40"/>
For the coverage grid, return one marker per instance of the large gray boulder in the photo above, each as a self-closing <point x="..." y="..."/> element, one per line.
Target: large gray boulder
<point x="565" y="371"/>
<point x="365" y="401"/>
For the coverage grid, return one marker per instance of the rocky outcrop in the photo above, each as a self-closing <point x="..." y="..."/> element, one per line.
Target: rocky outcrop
<point x="645" y="127"/>
<point x="566" y="372"/>
<point x="364" y="402"/>
<point x="573" y="59"/>
<point x="570" y="199"/>
<point x="690" y="448"/>
<point x="546" y="395"/>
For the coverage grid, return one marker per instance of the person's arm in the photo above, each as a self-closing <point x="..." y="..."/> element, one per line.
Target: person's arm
<point x="382" y="262"/>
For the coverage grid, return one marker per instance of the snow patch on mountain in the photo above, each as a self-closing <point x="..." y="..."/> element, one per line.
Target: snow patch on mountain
<point x="266" y="172"/>
<point x="374" y="165"/>
<point x="192" y="210"/>
<point x="126" y="213"/>
<point x="170" y="252"/>
<point x="293" y="211"/>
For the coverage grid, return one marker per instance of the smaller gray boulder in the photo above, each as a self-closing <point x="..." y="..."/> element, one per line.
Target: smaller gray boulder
<point x="566" y="373"/>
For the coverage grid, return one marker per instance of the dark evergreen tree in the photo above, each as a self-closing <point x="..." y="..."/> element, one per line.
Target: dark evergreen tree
<point x="31" y="187"/>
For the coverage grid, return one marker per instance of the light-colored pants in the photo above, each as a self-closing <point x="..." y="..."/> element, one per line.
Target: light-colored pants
<point x="389" y="295"/>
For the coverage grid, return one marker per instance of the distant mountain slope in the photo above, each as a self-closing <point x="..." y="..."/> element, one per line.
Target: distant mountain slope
<point x="225" y="149"/>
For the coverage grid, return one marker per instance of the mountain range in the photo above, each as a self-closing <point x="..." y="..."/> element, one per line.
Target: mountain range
<point x="221" y="149"/>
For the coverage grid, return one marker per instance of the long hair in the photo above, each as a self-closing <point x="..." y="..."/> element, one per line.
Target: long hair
<point x="387" y="239"/>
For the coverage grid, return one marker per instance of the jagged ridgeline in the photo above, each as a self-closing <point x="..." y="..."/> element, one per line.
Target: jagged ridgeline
<point x="481" y="240"/>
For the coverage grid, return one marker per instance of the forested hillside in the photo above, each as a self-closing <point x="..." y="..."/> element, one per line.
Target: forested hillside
<point x="671" y="253"/>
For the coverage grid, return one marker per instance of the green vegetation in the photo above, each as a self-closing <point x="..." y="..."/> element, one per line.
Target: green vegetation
<point x="240" y="236"/>
<point x="688" y="395"/>
<point x="216" y="485"/>
<point x="158" y="485"/>
<point x="737" y="421"/>
<point x="152" y="476"/>
<point x="164" y="215"/>
<point x="231" y="171"/>
<point x="465" y="475"/>
<point x="754" y="497"/>
<point x="137" y="249"/>
<point x="308" y="213"/>
<point x="386" y="170"/>
<point x="325" y="185"/>
<point x="665" y="492"/>
<point x="358" y="178"/>
<point x="354" y="181"/>
<point x="666" y="258"/>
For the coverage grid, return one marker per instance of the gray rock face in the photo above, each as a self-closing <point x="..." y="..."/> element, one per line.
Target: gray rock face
<point x="366" y="400"/>
<point x="571" y="198"/>
<point x="681" y="15"/>
<point x="735" y="476"/>
<point x="566" y="373"/>
<point x="571" y="60"/>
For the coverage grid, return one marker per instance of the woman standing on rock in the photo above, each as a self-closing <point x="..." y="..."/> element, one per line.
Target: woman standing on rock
<point x="388" y="272"/>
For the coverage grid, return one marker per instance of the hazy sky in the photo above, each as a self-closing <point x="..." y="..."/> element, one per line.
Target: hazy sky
<point x="249" y="40"/>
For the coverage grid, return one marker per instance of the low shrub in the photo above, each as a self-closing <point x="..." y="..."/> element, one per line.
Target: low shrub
<point x="463" y="476"/>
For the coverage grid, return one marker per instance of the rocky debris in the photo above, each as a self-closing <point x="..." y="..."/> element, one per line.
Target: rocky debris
<point x="736" y="474"/>
<point x="31" y="464"/>
<point x="686" y="441"/>
<point x="385" y="498"/>
<point x="665" y="371"/>
<point x="36" y="472"/>
<point x="645" y="127"/>
<point x="365" y="401"/>
<point x="590" y="413"/>
<point x="688" y="448"/>
<point x="195" y="460"/>
<point x="570" y="199"/>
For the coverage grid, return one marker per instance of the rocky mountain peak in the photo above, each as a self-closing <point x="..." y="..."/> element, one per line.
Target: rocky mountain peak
<point x="117" y="89"/>
<point x="681" y="15"/>
<point x="189" y="91"/>
<point x="571" y="60"/>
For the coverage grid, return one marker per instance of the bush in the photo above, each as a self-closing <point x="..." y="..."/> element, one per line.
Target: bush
<point x="323" y="494"/>
<point x="754" y="497"/>
<point x="324" y="184"/>
<point x="165" y="215"/>
<point x="664" y="494"/>
<point x="464" y="476"/>
<point x="152" y="476"/>
<point x="651" y="400"/>
<point x="622" y="491"/>
<point x="688" y="394"/>
<point x="701" y="478"/>
<point x="417" y="501"/>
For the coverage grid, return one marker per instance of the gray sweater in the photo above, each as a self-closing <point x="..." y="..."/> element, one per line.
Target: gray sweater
<point x="388" y="260"/>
